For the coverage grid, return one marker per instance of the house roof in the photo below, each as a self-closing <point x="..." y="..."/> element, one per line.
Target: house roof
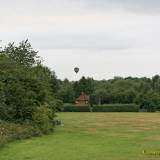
<point x="83" y="97"/>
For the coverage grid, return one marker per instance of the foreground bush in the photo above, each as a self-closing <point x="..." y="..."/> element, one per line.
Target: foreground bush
<point x="43" y="118"/>
<point x="116" y="108"/>
<point x="12" y="131"/>
<point x="43" y="122"/>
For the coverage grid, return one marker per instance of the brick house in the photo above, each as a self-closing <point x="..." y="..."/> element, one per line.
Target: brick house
<point x="83" y="100"/>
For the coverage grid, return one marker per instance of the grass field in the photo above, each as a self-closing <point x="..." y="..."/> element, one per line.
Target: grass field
<point x="93" y="136"/>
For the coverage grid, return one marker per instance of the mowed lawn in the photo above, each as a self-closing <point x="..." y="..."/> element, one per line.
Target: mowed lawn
<point x="93" y="136"/>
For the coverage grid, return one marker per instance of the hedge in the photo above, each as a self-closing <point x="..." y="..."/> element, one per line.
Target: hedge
<point x="116" y="108"/>
<point x="101" y="108"/>
<point x="75" y="108"/>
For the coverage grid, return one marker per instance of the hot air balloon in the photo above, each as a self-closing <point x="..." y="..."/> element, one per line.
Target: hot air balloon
<point x="76" y="69"/>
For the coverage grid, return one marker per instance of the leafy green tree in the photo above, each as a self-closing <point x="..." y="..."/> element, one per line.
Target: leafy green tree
<point x="84" y="85"/>
<point x="66" y="92"/>
<point x="150" y="101"/>
<point x="26" y="85"/>
<point x="101" y="91"/>
<point x="156" y="83"/>
<point x="22" y="54"/>
<point x="23" y="95"/>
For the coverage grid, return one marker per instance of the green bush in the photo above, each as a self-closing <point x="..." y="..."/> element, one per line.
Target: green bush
<point x="12" y="131"/>
<point x="43" y="118"/>
<point x="75" y="108"/>
<point x="116" y="108"/>
<point x="58" y="105"/>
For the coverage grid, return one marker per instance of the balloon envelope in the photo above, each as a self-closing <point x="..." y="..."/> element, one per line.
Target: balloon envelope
<point x="76" y="69"/>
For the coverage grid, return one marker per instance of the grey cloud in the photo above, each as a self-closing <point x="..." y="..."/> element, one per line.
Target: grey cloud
<point x="70" y="6"/>
<point x="147" y="6"/>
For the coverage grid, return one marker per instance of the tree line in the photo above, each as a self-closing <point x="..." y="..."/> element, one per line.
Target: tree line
<point x="142" y="91"/>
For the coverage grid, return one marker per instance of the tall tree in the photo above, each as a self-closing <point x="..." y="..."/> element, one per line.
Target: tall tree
<point x="24" y="84"/>
<point x="22" y="54"/>
<point x="66" y="92"/>
<point x="84" y="85"/>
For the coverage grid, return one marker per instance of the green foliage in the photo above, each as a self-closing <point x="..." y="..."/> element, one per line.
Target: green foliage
<point x="83" y="85"/>
<point x="116" y="108"/>
<point x="150" y="101"/>
<point x="3" y="111"/>
<point x="116" y="91"/>
<point x="58" y="105"/>
<point x="22" y="54"/>
<point x="20" y="99"/>
<point x="12" y="131"/>
<point x="66" y="92"/>
<point x="24" y="85"/>
<point x="43" y="117"/>
<point x="75" y="108"/>
<point x="102" y="108"/>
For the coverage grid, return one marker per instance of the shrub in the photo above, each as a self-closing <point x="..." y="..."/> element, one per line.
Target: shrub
<point x="116" y="108"/>
<point x="58" y="105"/>
<point x="43" y="118"/>
<point x="13" y="131"/>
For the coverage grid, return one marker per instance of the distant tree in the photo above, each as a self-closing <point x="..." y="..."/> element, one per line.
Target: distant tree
<point x="101" y="90"/>
<point x="66" y="92"/>
<point x="150" y="101"/>
<point x="156" y="83"/>
<point x="85" y="85"/>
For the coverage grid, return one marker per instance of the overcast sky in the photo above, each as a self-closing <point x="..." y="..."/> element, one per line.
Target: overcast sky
<point x="104" y="38"/>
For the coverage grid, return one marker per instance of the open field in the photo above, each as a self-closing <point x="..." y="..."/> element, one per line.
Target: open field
<point x="93" y="136"/>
